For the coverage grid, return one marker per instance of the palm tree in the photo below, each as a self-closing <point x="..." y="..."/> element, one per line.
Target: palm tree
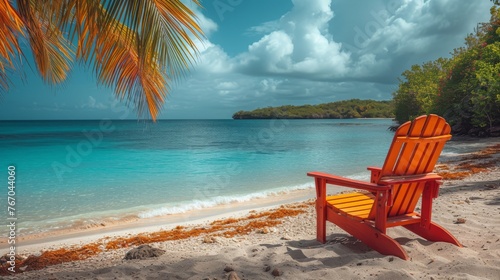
<point x="137" y="47"/>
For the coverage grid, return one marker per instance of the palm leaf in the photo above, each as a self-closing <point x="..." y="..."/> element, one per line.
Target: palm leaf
<point x="136" y="47"/>
<point x="51" y="50"/>
<point x="158" y="31"/>
<point x="118" y="65"/>
<point x="10" y="28"/>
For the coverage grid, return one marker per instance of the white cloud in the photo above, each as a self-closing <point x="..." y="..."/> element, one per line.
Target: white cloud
<point x="93" y="104"/>
<point x="227" y="85"/>
<point x="264" y="28"/>
<point x="206" y="24"/>
<point x="301" y="45"/>
<point x="214" y="60"/>
<point x="269" y="85"/>
<point x="269" y="55"/>
<point x="391" y="40"/>
<point x="225" y="88"/>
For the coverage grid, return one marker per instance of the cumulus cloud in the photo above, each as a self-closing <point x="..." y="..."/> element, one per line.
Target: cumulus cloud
<point x="269" y="55"/>
<point x="207" y="25"/>
<point x="301" y="45"/>
<point x="411" y="32"/>
<point x="214" y="60"/>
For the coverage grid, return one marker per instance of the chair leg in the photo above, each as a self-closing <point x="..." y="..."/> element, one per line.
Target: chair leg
<point x="321" y="230"/>
<point x="320" y="223"/>
<point x="369" y="235"/>
<point x="434" y="232"/>
<point x="320" y="210"/>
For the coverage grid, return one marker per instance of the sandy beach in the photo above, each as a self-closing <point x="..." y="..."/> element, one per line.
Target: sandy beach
<point x="277" y="238"/>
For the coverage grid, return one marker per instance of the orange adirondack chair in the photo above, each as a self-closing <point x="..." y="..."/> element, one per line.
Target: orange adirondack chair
<point x="391" y="195"/>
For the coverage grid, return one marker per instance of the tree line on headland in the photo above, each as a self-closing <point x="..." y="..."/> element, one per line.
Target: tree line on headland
<point x="354" y="108"/>
<point x="464" y="89"/>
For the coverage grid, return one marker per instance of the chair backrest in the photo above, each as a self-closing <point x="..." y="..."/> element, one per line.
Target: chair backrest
<point x="415" y="149"/>
<point x="416" y="146"/>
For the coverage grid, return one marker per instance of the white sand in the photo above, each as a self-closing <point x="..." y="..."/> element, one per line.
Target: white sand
<point x="291" y="247"/>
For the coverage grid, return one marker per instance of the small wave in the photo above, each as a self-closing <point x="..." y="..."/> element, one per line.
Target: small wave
<point x="452" y="154"/>
<point x="180" y="208"/>
<point x="362" y="176"/>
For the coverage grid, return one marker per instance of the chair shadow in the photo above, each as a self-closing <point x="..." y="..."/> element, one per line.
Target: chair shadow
<point x="347" y="249"/>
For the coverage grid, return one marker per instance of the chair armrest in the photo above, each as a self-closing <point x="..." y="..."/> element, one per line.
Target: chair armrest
<point x="346" y="182"/>
<point x="374" y="168"/>
<point x="391" y="180"/>
<point x="375" y="174"/>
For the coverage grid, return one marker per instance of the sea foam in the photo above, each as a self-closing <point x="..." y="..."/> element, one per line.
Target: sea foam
<point x="179" y="208"/>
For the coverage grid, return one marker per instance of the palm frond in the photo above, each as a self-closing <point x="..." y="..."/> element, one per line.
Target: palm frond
<point x="136" y="47"/>
<point x="10" y="28"/>
<point x="159" y="32"/>
<point x="117" y="64"/>
<point x="174" y="19"/>
<point x="51" y="50"/>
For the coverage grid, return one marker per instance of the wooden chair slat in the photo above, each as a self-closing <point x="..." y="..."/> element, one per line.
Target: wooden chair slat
<point x="399" y="190"/>
<point x="418" y="190"/>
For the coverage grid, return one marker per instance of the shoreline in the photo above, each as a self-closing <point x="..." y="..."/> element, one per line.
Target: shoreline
<point x="465" y="207"/>
<point x="135" y="225"/>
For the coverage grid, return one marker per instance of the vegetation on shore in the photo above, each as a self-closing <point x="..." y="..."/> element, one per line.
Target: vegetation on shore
<point x="354" y="108"/>
<point x="464" y="89"/>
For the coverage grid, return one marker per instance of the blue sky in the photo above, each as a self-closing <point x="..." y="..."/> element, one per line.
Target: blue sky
<point x="261" y="53"/>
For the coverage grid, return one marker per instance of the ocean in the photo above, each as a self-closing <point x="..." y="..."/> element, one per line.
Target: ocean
<point x="70" y="173"/>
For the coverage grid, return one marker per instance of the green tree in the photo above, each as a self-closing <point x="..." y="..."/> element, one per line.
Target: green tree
<point x="454" y="97"/>
<point x="465" y="89"/>
<point x="137" y="47"/>
<point x="418" y="90"/>
<point x="469" y="96"/>
<point x="486" y="97"/>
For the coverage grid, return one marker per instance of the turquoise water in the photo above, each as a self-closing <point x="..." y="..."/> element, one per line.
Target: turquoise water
<point x="73" y="172"/>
